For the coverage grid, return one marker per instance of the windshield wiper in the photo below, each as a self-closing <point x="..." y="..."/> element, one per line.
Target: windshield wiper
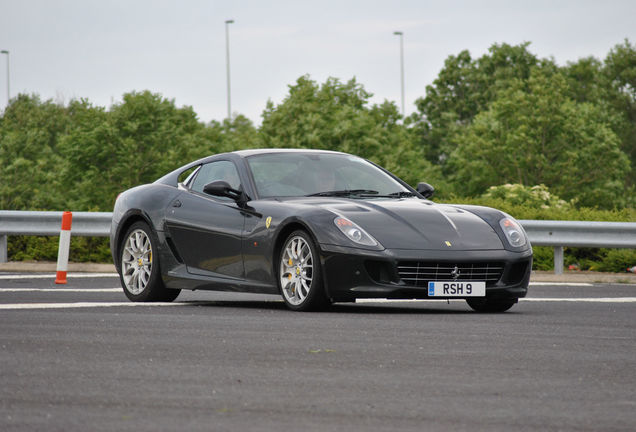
<point x="395" y="195"/>
<point x="346" y="192"/>
<point x="401" y="194"/>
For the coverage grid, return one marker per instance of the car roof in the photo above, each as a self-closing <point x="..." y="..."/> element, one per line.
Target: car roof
<point x="251" y="152"/>
<point x="171" y="178"/>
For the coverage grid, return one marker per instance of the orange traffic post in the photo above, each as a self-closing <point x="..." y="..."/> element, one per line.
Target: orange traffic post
<point x="63" y="251"/>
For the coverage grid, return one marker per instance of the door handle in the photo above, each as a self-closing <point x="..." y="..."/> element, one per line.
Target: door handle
<point x="177" y="203"/>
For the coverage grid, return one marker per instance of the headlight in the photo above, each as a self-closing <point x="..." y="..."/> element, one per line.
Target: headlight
<point x="515" y="235"/>
<point x="354" y="232"/>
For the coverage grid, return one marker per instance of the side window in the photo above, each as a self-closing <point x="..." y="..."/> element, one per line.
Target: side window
<point x="186" y="176"/>
<point x="221" y="170"/>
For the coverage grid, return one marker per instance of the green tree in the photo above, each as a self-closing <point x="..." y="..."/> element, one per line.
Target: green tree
<point x="535" y="134"/>
<point x="29" y="157"/>
<point x="585" y="80"/>
<point x="135" y="142"/>
<point x="464" y="88"/>
<point x="620" y="71"/>
<point x="336" y="116"/>
<point x="612" y="85"/>
<point x="229" y="135"/>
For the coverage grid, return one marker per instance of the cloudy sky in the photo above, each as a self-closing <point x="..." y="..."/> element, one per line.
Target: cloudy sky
<point x="99" y="50"/>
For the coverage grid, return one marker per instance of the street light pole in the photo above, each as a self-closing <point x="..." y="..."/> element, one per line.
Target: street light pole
<point x="227" y="63"/>
<point x="8" y="87"/>
<point x="401" y="35"/>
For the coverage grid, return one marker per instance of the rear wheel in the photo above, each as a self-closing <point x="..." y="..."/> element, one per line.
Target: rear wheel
<point x="139" y="267"/>
<point x="299" y="275"/>
<point x="490" y="305"/>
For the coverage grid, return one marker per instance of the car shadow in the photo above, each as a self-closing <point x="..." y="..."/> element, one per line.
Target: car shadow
<point x="394" y="309"/>
<point x="338" y="308"/>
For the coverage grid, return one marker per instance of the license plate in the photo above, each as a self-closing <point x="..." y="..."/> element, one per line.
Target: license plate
<point x="457" y="289"/>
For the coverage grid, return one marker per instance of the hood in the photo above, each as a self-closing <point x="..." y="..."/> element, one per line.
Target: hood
<point x="418" y="224"/>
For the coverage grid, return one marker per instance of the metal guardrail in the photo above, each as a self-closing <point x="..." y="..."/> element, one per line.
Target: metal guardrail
<point x="557" y="234"/>
<point x="48" y="223"/>
<point x="581" y="233"/>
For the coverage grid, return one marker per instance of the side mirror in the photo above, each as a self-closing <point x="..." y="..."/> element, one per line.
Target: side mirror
<point x="222" y="189"/>
<point x="425" y="189"/>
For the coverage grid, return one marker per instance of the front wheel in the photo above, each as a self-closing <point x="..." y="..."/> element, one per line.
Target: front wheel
<point x="490" y="305"/>
<point x="299" y="275"/>
<point x="139" y="267"/>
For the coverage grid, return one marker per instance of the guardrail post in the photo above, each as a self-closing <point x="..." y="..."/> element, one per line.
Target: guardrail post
<point x="3" y="249"/>
<point x="558" y="260"/>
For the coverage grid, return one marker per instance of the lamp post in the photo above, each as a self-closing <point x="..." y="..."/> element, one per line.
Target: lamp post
<point x="8" y="87"/>
<point x="401" y="35"/>
<point x="227" y="63"/>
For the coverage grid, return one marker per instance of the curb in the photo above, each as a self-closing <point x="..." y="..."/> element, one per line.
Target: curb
<point x="47" y="266"/>
<point x="584" y="277"/>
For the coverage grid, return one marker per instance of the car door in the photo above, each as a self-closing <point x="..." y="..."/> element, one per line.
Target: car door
<point x="207" y="230"/>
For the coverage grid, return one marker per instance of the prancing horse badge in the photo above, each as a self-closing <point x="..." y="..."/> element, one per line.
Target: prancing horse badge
<point x="268" y="222"/>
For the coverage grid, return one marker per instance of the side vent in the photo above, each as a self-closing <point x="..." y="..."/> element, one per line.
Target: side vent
<point x="173" y="249"/>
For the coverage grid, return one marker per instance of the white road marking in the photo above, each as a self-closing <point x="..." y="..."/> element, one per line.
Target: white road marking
<point x="84" y="305"/>
<point x="80" y="290"/>
<point x="531" y="299"/>
<point x="584" y="299"/>
<point x="378" y="300"/>
<point x="560" y="284"/>
<point x="52" y="276"/>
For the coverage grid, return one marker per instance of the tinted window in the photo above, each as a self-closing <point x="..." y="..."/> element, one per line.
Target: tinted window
<point x="214" y="171"/>
<point x="184" y="177"/>
<point x="297" y="174"/>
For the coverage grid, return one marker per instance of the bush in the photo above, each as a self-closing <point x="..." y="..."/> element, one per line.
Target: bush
<point x="529" y="196"/>
<point x="616" y="260"/>
<point x="83" y="249"/>
<point x="538" y="213"/>
<point x="543" y="258"/>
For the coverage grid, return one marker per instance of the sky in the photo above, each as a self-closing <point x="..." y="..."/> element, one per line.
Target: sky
<point x="100" y="50"/>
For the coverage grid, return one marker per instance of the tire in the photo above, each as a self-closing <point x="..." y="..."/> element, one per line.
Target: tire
<point x="485" y="305"/>
<point x="139" y="270"/>
<point x="299" y="273"/>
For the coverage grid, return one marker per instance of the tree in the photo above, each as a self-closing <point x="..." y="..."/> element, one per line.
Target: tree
<point x="612" y="85"/>
<point x="586" y="81"/>
<point x="235" y="134"/>
<point x="29" y="159"/>
<point x="135" y="142"/>
<point x="335" y="116"/>
<point x="466" y="87"/>
<point x="620" y="72"/>
<point x="534" y="134"/>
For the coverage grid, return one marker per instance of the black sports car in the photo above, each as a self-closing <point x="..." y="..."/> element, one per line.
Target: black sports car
<point x="316" y="227"/>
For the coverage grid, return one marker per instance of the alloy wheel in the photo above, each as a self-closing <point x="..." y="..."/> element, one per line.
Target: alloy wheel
<point x="136" y="262"/>
<point x="296" y="270"/>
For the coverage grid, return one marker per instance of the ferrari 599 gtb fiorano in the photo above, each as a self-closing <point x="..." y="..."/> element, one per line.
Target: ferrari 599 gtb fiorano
<point x="316" y="227"/>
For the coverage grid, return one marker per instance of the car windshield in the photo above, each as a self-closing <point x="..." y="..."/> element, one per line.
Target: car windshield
<point x="321" y="174"/>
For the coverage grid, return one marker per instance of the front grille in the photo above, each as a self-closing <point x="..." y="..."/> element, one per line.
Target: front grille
<point x="419" y="273"/>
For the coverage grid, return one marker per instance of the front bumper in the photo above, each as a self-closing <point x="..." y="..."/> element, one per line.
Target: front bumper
<point x="351" y="273"/>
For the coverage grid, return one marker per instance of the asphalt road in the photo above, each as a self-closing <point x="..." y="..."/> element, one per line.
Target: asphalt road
<point x="81" y="357"/>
